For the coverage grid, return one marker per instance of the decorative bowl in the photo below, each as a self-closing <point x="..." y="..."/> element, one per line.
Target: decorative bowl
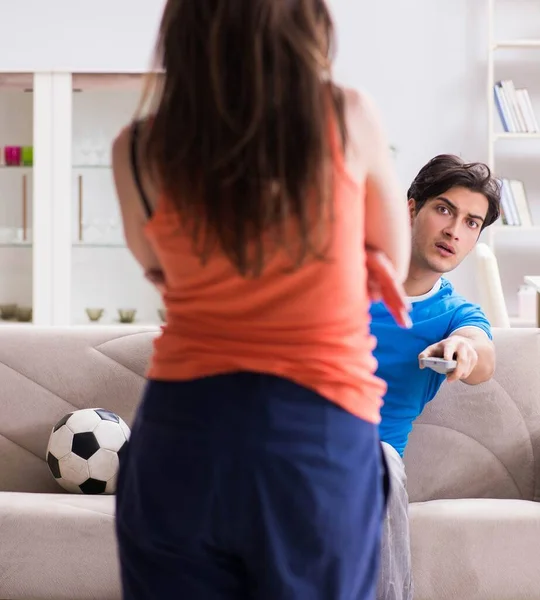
<point x="8" y="311"/>
<point x="24" y="314"/>
<point x="127" y="315"/>
<point x="95" y="314"/>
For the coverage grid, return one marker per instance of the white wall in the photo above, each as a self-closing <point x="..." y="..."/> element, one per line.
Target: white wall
<point x="425" y="63"/>
<point x="422" y="62"/>
<point x="73" y="35"/>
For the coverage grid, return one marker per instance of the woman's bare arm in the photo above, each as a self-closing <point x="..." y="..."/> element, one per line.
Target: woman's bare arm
<point x="131" y="207"/>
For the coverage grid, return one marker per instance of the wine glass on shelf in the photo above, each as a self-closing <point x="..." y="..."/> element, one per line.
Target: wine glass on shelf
<point x="94" y="155"/>
<point x="102" y="158"/>
<point x="85" y="153"/>
<point x="117" y="233"/>
<point x="93" y="231"/>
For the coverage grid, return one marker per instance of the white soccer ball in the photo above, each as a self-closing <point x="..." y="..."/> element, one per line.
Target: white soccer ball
<point x="84" y="450"/>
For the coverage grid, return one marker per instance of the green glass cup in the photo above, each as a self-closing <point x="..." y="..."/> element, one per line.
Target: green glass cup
<point x="27" y="155"/>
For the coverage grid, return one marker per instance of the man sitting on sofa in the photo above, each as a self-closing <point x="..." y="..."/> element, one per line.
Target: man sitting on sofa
<point x="450" y="203"/>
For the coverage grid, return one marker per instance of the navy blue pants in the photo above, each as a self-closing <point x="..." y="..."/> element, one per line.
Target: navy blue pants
<point x="248" y="487"/>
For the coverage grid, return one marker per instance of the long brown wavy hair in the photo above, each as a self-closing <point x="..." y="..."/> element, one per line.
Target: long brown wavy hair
<point x="239" y="136"/>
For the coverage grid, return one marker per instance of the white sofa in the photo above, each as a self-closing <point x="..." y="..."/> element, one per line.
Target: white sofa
<point x="473" y="465"/>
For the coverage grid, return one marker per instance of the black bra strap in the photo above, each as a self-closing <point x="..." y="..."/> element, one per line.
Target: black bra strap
<point x="135" y="169"/>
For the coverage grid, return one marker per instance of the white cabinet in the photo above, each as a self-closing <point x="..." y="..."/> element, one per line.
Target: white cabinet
<point x="62" y="248"/>
<point x="104" y="276"/>
<point x="16" y="194"/>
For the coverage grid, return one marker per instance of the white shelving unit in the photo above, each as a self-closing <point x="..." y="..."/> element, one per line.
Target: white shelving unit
<point x="102" y="272"/>
<point x="497" y="138"/>
<point x="62" y="249"/>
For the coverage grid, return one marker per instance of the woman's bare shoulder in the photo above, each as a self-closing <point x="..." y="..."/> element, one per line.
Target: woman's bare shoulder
<point x="360" y="110"/>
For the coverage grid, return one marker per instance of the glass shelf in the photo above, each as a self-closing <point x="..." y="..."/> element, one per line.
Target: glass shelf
<point x="97" y="167"/>
<point x="138" y="324"/>
<point x="95" y="245"/>
<point x="75" y="245"/>
<point x="17" y="167"/>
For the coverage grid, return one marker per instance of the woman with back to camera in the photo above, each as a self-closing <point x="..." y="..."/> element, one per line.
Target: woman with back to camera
<point x="249" y="192"/>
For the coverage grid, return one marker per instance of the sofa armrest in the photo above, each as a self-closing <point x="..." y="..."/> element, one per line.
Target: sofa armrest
<point x="475" y="549"/>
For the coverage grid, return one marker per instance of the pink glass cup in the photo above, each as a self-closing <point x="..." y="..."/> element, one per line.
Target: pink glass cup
<point x="12" y="156"/>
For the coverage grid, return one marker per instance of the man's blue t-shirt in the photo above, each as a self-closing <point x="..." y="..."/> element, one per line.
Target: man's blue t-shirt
<point x="435" y="316"/>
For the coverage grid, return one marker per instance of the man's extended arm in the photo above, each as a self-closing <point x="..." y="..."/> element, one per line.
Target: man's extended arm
<point x="473" y="350"/>
<point x="485" y="349"/>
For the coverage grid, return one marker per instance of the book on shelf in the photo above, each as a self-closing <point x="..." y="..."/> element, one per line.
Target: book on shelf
<point x="515" y="108"/>
<point x="515" y="210"/>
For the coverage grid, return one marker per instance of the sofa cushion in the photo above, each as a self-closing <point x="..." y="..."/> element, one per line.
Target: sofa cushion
<point x="475" y="549"/>
<point x="57" y="546"/>
<point x="48" y="372"/>
<point x="483" y="441"/>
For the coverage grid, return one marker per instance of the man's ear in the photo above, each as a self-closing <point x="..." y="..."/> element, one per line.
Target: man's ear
<point x="412" y="209"/>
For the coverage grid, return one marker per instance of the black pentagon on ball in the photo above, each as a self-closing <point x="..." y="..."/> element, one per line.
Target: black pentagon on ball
<point x="84" y="444"/>
<point x="93" y="486"/>
<point x="62" y="421"/>
<point x="107" y="415"/>
<point x="54" y="465"/>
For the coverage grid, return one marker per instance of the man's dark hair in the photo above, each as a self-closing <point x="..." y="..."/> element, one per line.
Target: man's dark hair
<point x="447" y="171"/>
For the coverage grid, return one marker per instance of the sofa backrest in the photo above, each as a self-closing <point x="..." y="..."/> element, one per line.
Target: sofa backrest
<point x="471" y="441"/>
<point x="46" y="373"/>
<point x="483" y="441"/>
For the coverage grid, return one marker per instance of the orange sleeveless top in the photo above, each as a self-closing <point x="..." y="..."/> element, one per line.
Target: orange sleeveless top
<point x="310" y="325"/>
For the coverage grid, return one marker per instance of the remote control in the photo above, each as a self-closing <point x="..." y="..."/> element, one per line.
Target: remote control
<point x="439" y="365"/>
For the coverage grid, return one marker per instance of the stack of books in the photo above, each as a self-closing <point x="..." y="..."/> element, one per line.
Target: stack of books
<point x="515" y="108"/>
<point x="514" y="204"/>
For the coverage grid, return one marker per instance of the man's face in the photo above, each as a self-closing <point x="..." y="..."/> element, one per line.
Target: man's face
<point x="446" y="228"/>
